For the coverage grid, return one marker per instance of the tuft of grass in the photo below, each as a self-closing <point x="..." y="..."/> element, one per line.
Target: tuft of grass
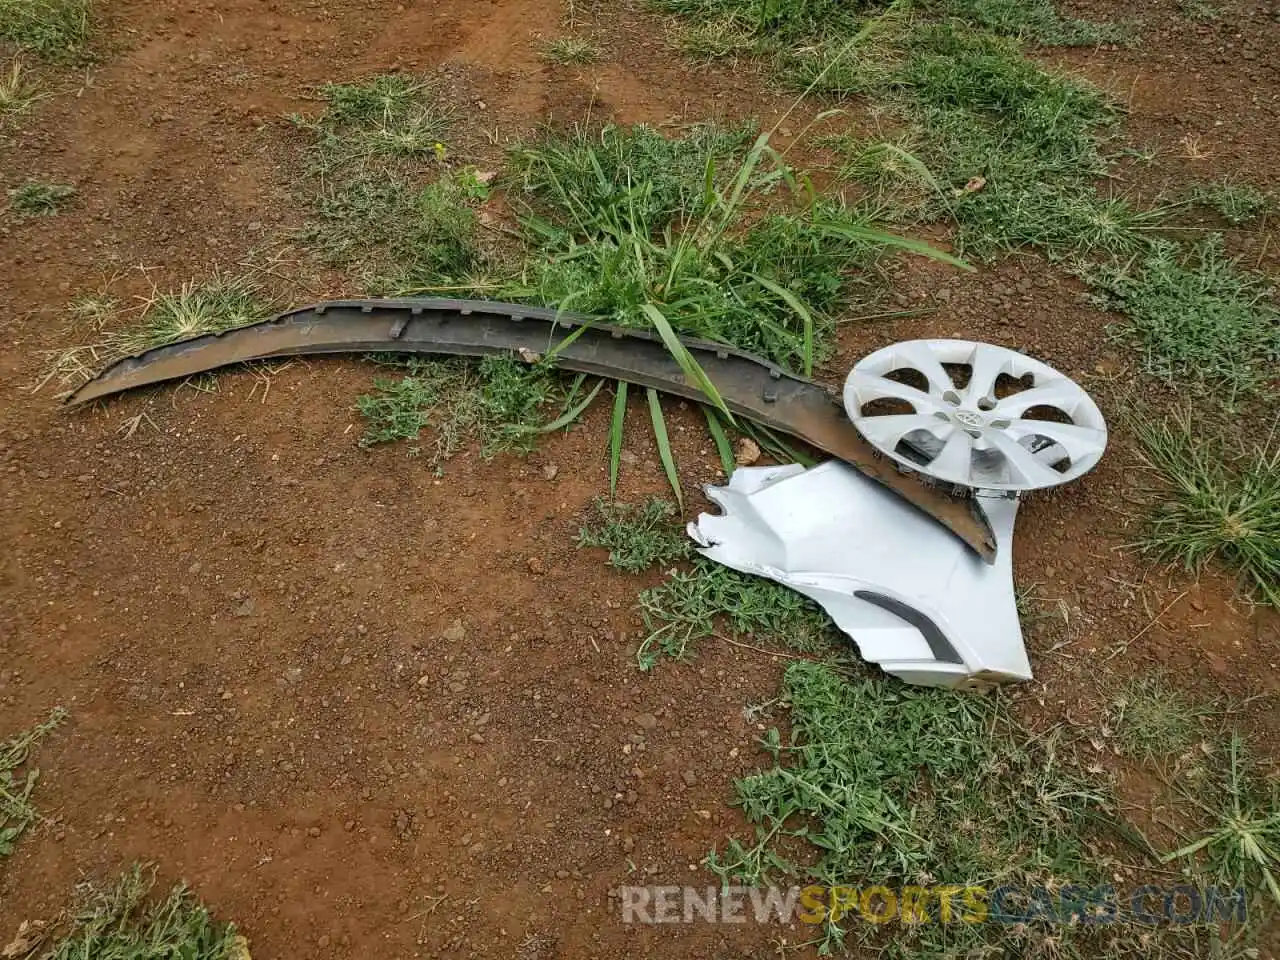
<point x="1242" y="846"/>
<point x="1152" y="719"/>
<point x="1195" y="317"/>
<point x="123" y="923"/>
<point x="1214" y="502"/>
<point x="684" y="608"/>
<point x="16" y="810"/>
<point x="569" y="51"/>
<point x="882" y="783"/>
<point x="37" y="199"/>
<point x="1199" y="11"/>
<point x="1237" y="203"/>
<point x="1035" y="20"/>
<point x="637" y="537"/>
<point x="53" y="29"/>
<point x="498" y="400"/>
<point x="401" y="238"/>
<point x="381" y="204"/>
<point x="18" y="92"/>
<point x="195" y="309"/>
<point x="386" y="119"/>
<point x="650" y="231"/>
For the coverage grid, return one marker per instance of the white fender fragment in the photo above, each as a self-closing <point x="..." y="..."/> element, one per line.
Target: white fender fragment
<point x="912" y="596"/>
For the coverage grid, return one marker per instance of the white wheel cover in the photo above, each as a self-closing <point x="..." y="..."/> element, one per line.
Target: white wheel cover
<point x="967" y="435"/>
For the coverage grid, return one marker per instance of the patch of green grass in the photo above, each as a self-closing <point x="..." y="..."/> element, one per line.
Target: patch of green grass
<point x="498" y="400"/>
<point x="569" y="51"/>
<point x="124" y="923"/>
<point x="1153" y="719"/>
<point x="1241" y="848"/>
<point x="1036" y="20"/>
<point x="684" y="609"/>
<point x="637" y="537"/>
<point x="886" y="785"/>
<point x="400" y="238"/>
<point x="16" y="810"/>
<point x="53" y="29"/>
<point x="378" y="123"/>
<point x="382" y="204"/>
<point x="1214" y="501"/>
<point x="629" y="224"/>
<point x="1196" y="318"/>
<point x="1199" y="11"/>
<point x="37" y="199"/>
<point x="1237" y="203"/>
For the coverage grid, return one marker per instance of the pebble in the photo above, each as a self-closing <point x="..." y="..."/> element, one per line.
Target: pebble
<point x="550" y="471"/>
<point x="455" y="632"/>
<point x="646" y="721"/>
<point x="689" y="777"/>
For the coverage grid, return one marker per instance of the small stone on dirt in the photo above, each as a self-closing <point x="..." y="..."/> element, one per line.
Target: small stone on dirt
<point x="455" y="632"/>
<point x="550" y="471"/>
<point x="536" y="565"/>
<point x="629" y="458"/>
<point x="313" y="832"/>
<point x="746" y="453"/>
<point x="423" y="680"/>
<point x="244" y="608"/>
<point x="646" y="721"/>
<point x="477" y="738"/>
<point x="689" y="777"/>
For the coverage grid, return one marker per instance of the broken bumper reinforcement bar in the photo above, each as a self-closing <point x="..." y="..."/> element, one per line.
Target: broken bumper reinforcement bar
<point x="751" y="387"/>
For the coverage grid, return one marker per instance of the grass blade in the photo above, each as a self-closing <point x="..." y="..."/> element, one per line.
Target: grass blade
<point x="569" y="416"/>
<point x="692" y="369"/>
<point x="800" y="311"/>
<point x="716" y="429"/>
<point x="664" y="445"/>
<point x="615" y="436"/>
<point x="884" y="238"/>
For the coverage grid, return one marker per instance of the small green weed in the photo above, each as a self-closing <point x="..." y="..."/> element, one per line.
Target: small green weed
<point x="1196" y="318"/>
<point x="1242" y="848"/>
<point x="1213" y="502"/>
<point x="637" y="537"/>
<point x="683" y="609"/>
<point x="120" y="924"/>
<point x="53" y="29"/>
<point x="36" y="199"/>
<point x="16" y="810"/>
<point x="569" y="51"/>
<point x="1152" y="719"/>
<point x="498" y="400"/>
<point x="1238" y="203"/>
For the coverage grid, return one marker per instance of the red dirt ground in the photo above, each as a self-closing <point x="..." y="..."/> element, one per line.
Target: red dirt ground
<point x="373" y="713"/>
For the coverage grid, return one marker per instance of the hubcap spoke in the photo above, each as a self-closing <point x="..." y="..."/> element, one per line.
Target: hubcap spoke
<point x="1023" y="462"/>
<point x="871" y="387"/>
<point x="887" y="431"/>
<point x="955" y="460"/>
<point x="1080" y="442"/>
<point x="987" y="364"/>
<point x="1060" y="394"/>
<point x="920" y="357"/>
